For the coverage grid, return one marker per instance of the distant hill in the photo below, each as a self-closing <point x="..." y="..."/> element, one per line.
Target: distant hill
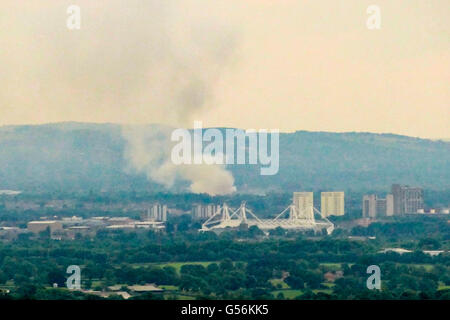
<point x="78" y="156"/>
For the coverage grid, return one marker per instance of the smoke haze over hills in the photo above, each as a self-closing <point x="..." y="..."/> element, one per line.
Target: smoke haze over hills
<point x="80" y="157"/>
<point x="291" y="65"/>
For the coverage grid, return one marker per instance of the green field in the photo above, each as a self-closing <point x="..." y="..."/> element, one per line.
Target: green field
<point x="289" y="293"/>
<point x="276" y="282"/>
<point x="331" y="266"/>
<point x="292" y="293"/>
<point x="428" y="267"/>
<point x="169" y="288"/>
<point x="443" y="287"/>
<point x="184" y="297"/>
<point x="327" y="291"/>
<point x="178" y="265"/>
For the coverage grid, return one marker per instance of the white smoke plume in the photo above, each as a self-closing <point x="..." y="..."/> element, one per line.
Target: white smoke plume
<point x="149" y="151"/>
<point x="191" y="54"/>
<point x="139" y="61"/>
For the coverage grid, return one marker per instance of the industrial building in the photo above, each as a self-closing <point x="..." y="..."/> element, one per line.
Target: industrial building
<point x="374" y="207"/>
<point x="39" y="226"/>
<point x="407" y="199"/>
<point x="156" y="212"/>
<point x="332" y="203"/>
<point x="304" y="204"/>
<point x="204" y="211"/>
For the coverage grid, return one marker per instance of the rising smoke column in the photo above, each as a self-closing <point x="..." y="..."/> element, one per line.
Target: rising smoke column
<point x="149" y="151"/>
<point x="146" y="61"/>
<point x="193" y="56"/>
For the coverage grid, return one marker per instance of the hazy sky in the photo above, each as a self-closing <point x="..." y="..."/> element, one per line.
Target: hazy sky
<point x="292" y="65"/>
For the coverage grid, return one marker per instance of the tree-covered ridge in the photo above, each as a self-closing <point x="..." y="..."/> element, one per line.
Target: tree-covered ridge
<point x="74" y="156"/>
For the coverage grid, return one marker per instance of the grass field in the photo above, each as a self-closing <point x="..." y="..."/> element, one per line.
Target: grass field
<point x="428" y="267"/>
<point x="327" y="291"/>
<point x="178" y="265"/>
<point x="293" y="293"/>
<point x="183" y="297"/>
<point x="175" y="296"/>
<point x="169" y="287"/>
<point x="331" y="266"/>
<point x="443" y="287"/>
<point x="276" y="282"/>
<point x="289" y="293"/>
